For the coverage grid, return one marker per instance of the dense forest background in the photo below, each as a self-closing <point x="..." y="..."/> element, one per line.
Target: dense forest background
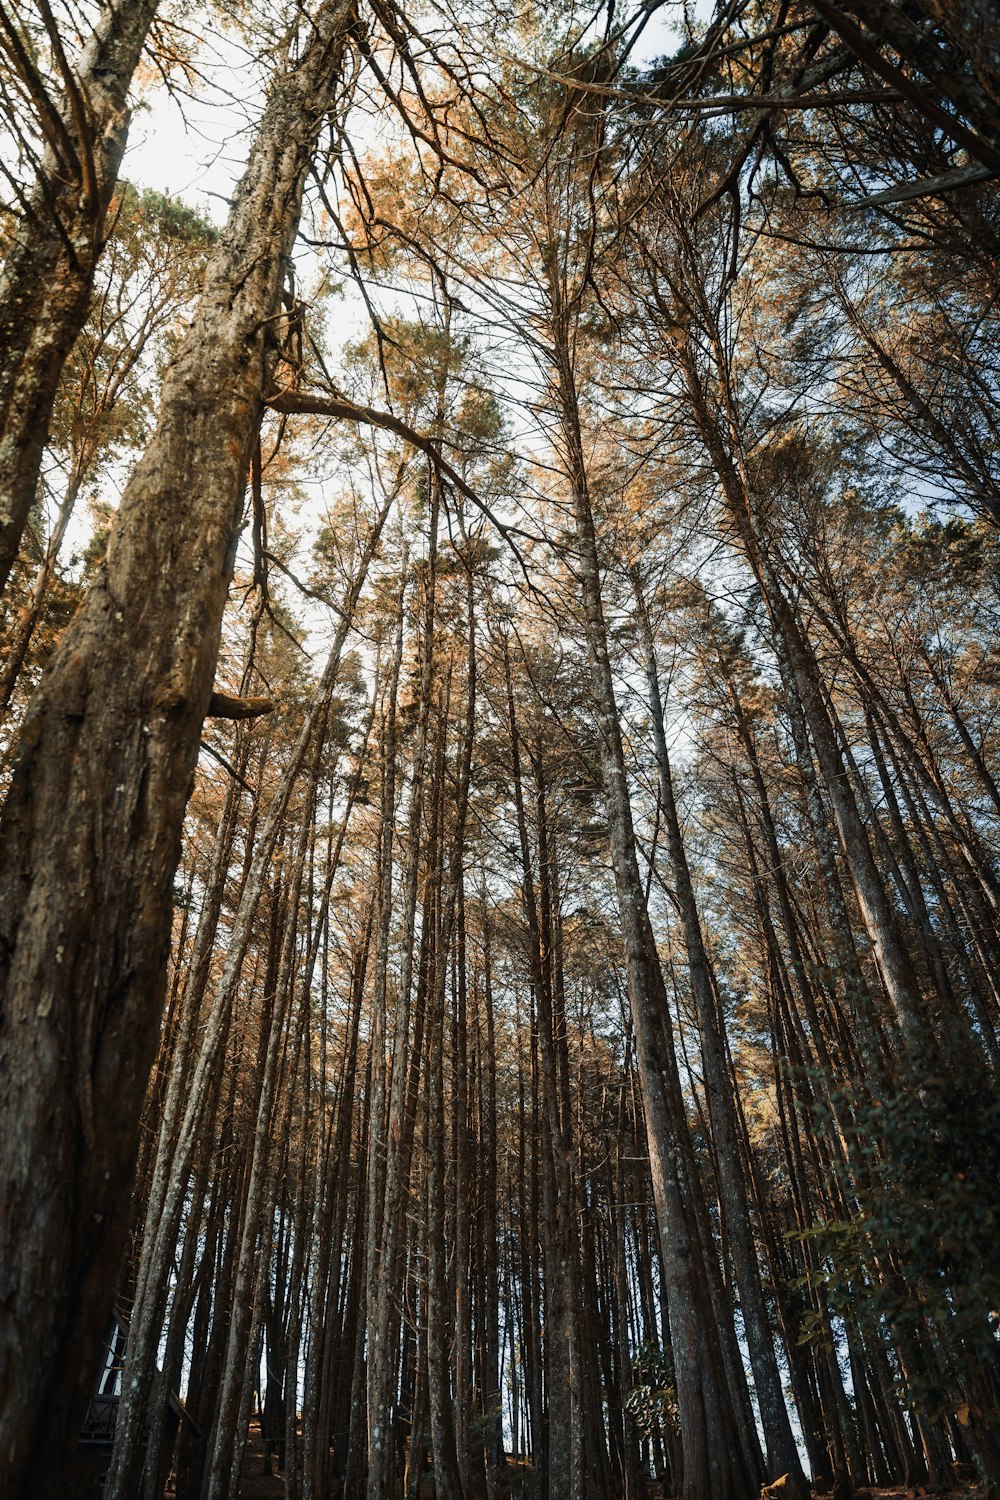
<point x="500" y="884"/>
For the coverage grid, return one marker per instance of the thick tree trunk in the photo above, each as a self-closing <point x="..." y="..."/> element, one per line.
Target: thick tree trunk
<point x="47" y="279"/>
<point x="187" y="1097"/>
<point x="90" y="835"/>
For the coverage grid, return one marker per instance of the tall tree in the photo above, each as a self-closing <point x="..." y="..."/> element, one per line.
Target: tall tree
<point x="65" y="222"/>
<point x="91" y="826"/>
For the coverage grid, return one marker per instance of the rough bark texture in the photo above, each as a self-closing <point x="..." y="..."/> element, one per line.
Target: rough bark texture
<point x="90" y="835"/>
<point x="45" y="291"/>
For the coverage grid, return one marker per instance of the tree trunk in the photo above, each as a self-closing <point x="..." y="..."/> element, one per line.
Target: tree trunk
<point x="185" y="1102"/>
<point x="391" y="1146"/>
<point x="783" y="1457"/>
<point x="799" y="667"/>
<point x="716" y="1463"/>
<point x="90" y="835"/>
<point x="49" y="273"/>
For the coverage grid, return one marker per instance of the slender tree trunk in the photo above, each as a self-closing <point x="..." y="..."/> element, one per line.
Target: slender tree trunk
<point x="293" y="982"/>
<point x="489" y="1304"/>
<point x="19" y="637"/>
<point x="782" y="1453"/>
<point x="390" y="1150"/>
<point x="716" y="1463"/>
<point x="799" y="663"/>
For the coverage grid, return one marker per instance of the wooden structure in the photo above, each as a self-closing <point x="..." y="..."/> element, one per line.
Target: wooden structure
<point x="98" y="1432"/>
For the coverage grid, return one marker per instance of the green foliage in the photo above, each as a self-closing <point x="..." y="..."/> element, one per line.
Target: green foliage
<point x="929" y="1159"/>
<point x="652" y="1399"/>
<point x="170" y="218"/>
<point x="950" y="550"/>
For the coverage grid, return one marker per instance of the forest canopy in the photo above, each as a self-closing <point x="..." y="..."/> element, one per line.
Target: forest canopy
<point x="499" y="749"/>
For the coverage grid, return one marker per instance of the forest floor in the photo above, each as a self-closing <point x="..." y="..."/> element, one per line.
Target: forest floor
<point x="256" y="1480"/>
<point x="904" y="1492"/>
<point x="257" y="1483"/>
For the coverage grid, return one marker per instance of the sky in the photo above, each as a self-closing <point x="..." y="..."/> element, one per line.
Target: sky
<point x="193" y="145"/>
<point x="194" y="148"/>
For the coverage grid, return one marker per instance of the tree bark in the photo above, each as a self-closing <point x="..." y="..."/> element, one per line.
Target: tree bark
<point x="90" y="834"/>
<point x="782" y="1453"/>
<point x="716" y="1465"/>
<point x="185" y="1100"/>
<point x="49" y="273"/>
